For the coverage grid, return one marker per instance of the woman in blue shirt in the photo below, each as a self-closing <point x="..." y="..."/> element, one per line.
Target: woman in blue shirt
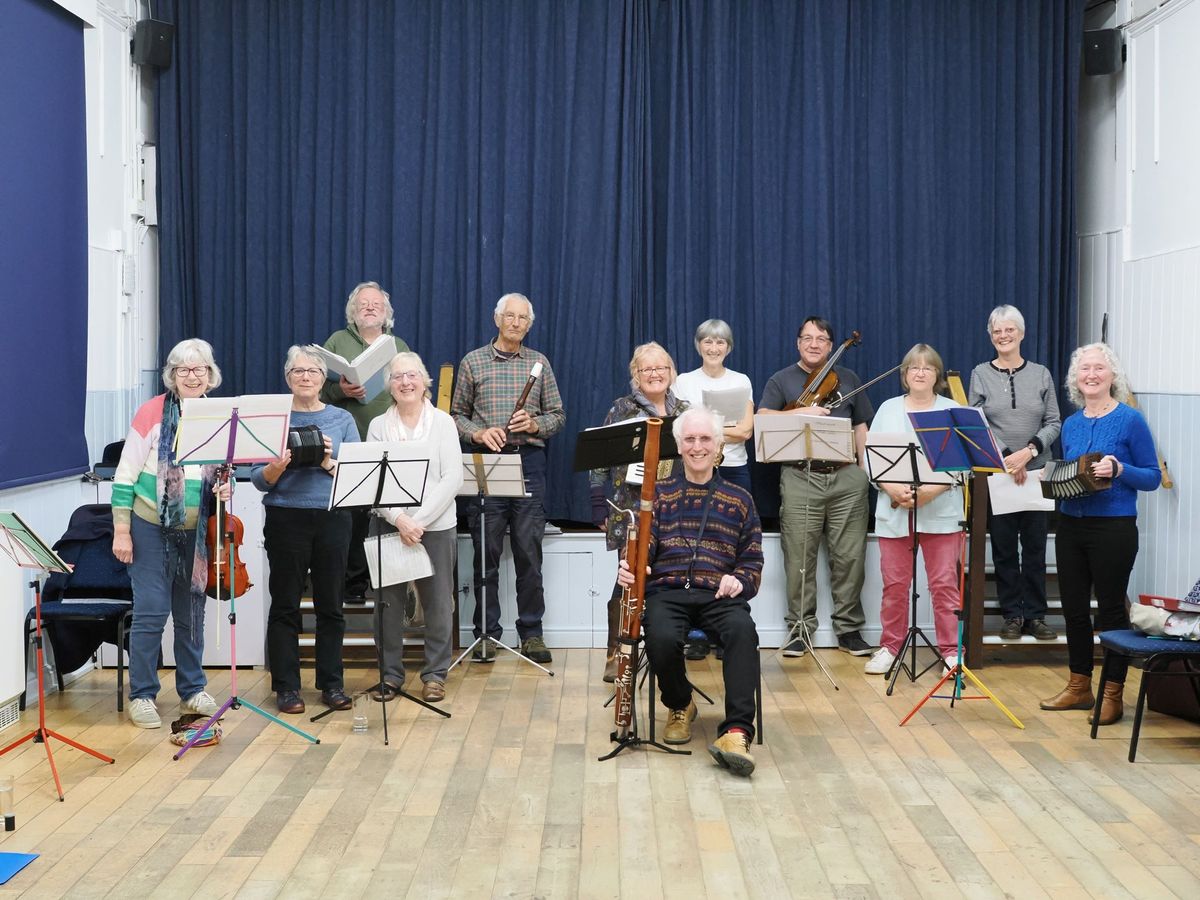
<point x="1097" y="538"/>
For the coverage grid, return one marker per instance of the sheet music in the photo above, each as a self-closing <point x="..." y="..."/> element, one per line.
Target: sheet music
<point x="730" y="404"/>
<point x="401" y="562"/>
<point x="204" y="423"/>
<point x="888" y="461"/>
<point x="1009" y="497"/>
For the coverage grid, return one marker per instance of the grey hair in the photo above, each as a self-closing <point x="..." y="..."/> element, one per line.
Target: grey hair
<point x="715" y="420"/>
<point x="352" y="303"/>
<point x="714" y="328"/>
<point x="641" y="350"/>
<point x="188" y="351"/>
<point x="412" y="360"/>
<point x="1120" y="384"/>
<point x="1006" y="313"/>
<point x="312" y="351"/>
<point x="514" y="296"/>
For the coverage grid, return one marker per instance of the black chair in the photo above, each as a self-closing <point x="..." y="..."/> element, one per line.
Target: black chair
<point x="1153" y="656"/>
<point x="89" y="606"/>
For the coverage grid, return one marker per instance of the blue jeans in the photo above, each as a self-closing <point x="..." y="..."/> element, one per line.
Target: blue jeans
<point x="161" y="586"/>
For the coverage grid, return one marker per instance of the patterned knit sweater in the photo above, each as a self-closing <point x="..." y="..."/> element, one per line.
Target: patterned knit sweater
<point x="731" y="543"/>
<point x="135" y="485"/>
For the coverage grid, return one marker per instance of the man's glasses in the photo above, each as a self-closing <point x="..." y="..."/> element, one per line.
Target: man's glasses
<point x="808" y="339"/>
<point x="514" y="317"/>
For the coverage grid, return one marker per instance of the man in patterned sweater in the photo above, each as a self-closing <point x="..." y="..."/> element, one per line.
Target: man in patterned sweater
<point x="705" y="564"/>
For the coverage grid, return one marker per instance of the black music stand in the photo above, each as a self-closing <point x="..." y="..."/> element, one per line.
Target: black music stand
<point x="603" y="448"/>
<point x="381" y="474"/>
<point x="891" y="459"/>
<point x="22" y="545"/>
<point x="800" y="440"/>
<point x="490" y="475"/>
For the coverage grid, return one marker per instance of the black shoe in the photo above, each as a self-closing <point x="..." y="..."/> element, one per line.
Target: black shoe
<point x="484" y="652"/>
<point x="719" y="651"/>
<point x="697" y="649"/>
<point x="357" y="598"/>
<point x="795" y="649"/>
<point x="851" y="642"/>
<point x="336" y="698"/>
<point x="1011" y="631"/>
<point x="535" y="648"/>
<point x="1039" y="629"/>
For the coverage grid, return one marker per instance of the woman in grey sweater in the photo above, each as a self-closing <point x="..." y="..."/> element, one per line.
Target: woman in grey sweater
<point x="1018" y="397"/>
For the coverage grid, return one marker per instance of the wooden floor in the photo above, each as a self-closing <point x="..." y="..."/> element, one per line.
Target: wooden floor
<point x="508" y="799"/>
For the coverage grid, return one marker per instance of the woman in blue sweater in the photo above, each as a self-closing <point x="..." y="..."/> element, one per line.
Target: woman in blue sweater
<point x="303" y="537"/>
<point x="1097" y="538"/>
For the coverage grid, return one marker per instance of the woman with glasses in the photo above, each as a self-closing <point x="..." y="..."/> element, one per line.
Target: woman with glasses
<point x="652" y="374"/>
<point x="938" y="510"/>
<point x="304" y="539"/>
<point x="1021" y="404"/>
<point x="411" y="417"/>
<point x="160" y="517"/>
<point x="714" y="342"/>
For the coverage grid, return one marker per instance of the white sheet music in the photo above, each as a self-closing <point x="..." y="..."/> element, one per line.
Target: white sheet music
<point x="1008" y="497"/>
<point x="401" y="563"/>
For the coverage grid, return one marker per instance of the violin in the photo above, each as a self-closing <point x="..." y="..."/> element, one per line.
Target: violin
<point x="227" y="575"/>
<point x="821" y="387"/>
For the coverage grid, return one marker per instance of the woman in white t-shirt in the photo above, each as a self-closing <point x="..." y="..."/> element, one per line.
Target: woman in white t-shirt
<point x="714" y="342"/>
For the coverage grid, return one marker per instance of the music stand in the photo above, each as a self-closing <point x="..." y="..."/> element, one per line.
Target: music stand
<point x="381" y="474"/>
<point x="896" y="459"/>
<point x="21" y="544"/>
<point x="960" y="443"/>
<point x="605" y="447"/>
<point x="227" y="431"/>
<point x="490" y="475"/>
<point x="800" y="440"/>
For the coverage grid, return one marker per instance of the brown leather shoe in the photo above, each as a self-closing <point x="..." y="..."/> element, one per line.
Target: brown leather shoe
<point x="1076" y="695"/>
<point x="289" y="702"/>
<point x="679" y="724"/>
<point x="1112" y="706"/>
<point x="433" y="692"/>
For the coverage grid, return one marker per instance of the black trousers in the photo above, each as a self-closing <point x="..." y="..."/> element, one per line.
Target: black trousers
<point x="1019" y="555"/>
<point x="1095" y="554"/>
<point x="668" y="617"/>
<point x="358" y="576"/>
<point x="300" y="542"/>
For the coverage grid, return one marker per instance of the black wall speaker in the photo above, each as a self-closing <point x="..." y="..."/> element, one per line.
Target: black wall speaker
<point x="151" y="44"/>
<point x="1103" y="51"/>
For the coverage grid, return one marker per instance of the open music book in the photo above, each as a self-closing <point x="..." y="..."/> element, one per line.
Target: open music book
<point x="366" y="369"/>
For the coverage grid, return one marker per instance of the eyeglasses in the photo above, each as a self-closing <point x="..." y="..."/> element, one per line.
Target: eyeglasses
<point x="405" y="376"/>
<point x="713" y="342"/>
<point x="1000" y="332"/>
<point x="311" y="373"/>
<point x="809" y="339"/>
<point x="514" y="317"/>
<point x="191" y="371"/>
<point x="698" y="440"/>
<point x="926" y="369"/>
<point x="654" y="370"/>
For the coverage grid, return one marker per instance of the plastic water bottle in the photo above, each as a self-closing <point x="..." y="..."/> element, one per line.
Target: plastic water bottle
<point x="7" y="803"/>
<point x="360" y="714"/>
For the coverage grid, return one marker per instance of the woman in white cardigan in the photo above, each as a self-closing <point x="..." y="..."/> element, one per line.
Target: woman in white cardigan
<point x="411" y="417"/>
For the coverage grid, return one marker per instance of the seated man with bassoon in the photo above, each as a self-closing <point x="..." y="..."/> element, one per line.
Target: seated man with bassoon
<point x="704" y="564"/>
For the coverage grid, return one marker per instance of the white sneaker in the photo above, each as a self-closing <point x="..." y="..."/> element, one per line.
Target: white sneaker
<point x="951" y="660"/>
<point x="202" y="703"/>
<point x="143" y="714"/>
<point x="880" y="663"/>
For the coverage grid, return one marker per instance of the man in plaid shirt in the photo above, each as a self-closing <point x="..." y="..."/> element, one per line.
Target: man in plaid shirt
<point x="490" y="382"/>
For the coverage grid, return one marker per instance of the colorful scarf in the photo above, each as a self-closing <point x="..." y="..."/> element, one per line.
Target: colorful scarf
<point x="172" y="516"/>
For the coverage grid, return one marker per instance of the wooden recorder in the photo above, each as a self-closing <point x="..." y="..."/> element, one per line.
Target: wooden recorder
<point x="1068" y="479"/>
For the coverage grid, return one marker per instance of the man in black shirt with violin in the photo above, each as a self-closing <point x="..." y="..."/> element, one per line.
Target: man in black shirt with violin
<point x="822" y="500"/>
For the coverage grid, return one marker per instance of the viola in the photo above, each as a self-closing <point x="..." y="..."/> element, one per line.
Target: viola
<point x="233" y="579"/>
<point x="821" y="387"/>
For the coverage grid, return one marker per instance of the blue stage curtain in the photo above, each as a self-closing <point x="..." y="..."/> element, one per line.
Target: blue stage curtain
<point x="43" y="243"/>
<point x="634" y="167"/>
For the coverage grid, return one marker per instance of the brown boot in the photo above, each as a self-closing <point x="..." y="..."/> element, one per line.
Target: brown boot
<point x="1112" y="707"/>
<point x="1076" y="695"/>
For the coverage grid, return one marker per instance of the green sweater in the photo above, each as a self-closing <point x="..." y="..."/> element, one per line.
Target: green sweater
<point x="348" y="343"/>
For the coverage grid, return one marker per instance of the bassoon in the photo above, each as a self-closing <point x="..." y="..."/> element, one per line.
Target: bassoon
<point x="633" y="598"/>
